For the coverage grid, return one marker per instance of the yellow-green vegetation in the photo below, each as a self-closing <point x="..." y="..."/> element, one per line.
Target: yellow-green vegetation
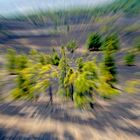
<point x="132" y="86"/>
<point x="81" y="83"/>
<point x="111" y="43"/>
<point x="15" y="62"/>
<point x="72" y="46"/>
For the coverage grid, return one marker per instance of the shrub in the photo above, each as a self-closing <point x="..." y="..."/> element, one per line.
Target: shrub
<point x="24" y="87"/>
<point x="45" y="59"/>
<point x="109" y="65"/>
<point x="72" y="46"/>
<point x="80" y="63"/>
<point x="55" y="58"/>
<point x="111" y="43"/>
<point x="11" y="61"/>
<point x="129" y="59"/>
<point x="22" y="62"/>
<point x="94" y="42"/>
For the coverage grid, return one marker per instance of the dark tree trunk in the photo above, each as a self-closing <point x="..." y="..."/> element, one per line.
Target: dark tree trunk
<point x="91" y="103"/>
<point x="50" y="94"/>
<point x="71" y="91"/>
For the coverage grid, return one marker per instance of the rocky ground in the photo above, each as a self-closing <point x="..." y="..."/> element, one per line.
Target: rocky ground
<point x="118" y="119"/>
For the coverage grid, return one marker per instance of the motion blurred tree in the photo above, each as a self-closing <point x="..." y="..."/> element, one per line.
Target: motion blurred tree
<point x="25" y="88"/>
<point x="72" y="46"/>
<point x="55" y="58"/>
<point x="111" y="43"/>
<point x="80" y="63"/>
<point x="32" y="81"/>
<point x="80" y="83"/>
<point x="94" y="42"/>
<point x="22" y="62"/>
<point x="83" y="90"/>
<point x="11" y="61"/>
<point x="104" y="86"/>
<point x="34" y="56"/>
<point x="83" y="81"/>
<point x="110" y="66"/>
<point x="68" y="83"/>
<point x="16" y="62"/>
<point x="43" y="59"/>
<point x="110" y="47"/>
<point x="129" y="59"/>
<point x="63" y="69"/>
<point x="47" y="74"/>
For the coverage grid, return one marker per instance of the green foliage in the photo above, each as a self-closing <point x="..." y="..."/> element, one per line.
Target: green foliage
<point x="36" y="72"/>
<point x="83" y="89"/>
<point x="91" y="68"/>
<point x="105" y="84"/>
<point x="55" y="58"/>
<point x="94" y="79"/>
<point x="15" y="62"/>
<point x="33" y="52"/>
<point x="72" y="46"/>
<point x="25" y="86"/>
<point x="68" y="83"/>
<point x="11" y="61"/>
<point x="110" y="66"/>
<point x="94" y="42"/>
<point x="35" y="56"/>
<point x="22" y="62"/>
<point x="31" y="81"/>
<point x="80" y="63"/>
<point x="84" y="82"/>
<point x="111" y="43"/>
<point x="43" y="59"/>
<point x="132" y="86"/>
<point x="129" y="59"/>
<point x="63" y="69"/>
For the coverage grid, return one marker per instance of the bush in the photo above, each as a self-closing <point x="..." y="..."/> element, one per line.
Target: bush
<point x="94" y="42"/>
<point x="55" y="58"/>
<point x="111" y="43"/>
<point x="22" y="62"/>
<point x="110" y="66"/>
<point x="72" y="46"/>
<point x="129" y="59"/>
<point x="80" y="63"/>
<point x="24" y="87"/>
<point x="11" y="61"/>
<point x="45" y="59"/>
